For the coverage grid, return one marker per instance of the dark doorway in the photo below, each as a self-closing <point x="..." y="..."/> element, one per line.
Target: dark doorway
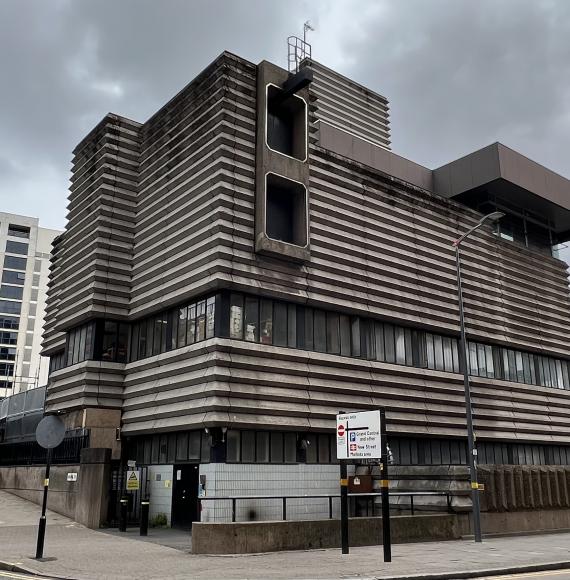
<point x="185" y="496"/>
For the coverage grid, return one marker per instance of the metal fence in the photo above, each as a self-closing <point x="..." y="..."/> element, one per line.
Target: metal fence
<point x="30" y="453"/>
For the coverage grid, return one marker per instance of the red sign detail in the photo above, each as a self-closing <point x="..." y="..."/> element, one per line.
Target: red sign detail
<point x="341" y="430"/>
<point x="353" y="447"/>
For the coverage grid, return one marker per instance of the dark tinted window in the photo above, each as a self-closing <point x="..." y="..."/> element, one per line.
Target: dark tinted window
<point x="13" y="277"/>
<point x="11" y="292"/>
<point x="10" y="307"/>
<point x="15" y="263"/>
<point x="16" y="248"/>
<point x="18" y="231"/>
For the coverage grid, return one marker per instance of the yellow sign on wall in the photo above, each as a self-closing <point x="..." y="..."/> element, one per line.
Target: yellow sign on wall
<point x="133" y="480"/>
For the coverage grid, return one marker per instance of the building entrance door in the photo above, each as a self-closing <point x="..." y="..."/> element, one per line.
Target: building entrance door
<point x="185" y="496"/>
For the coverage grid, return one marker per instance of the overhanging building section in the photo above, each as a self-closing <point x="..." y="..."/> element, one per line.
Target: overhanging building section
<point x="235" y="275"/>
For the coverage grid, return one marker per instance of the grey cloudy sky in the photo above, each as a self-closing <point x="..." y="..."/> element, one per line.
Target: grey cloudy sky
<point x="459" y="74"/>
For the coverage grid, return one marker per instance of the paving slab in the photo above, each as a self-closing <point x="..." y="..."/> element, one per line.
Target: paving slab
<point x="85" y="554"/>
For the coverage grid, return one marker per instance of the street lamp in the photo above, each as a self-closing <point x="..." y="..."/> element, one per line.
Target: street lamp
<point x="472" y="450"/>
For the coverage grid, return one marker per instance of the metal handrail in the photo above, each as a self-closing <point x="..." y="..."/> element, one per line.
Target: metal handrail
<point x="330" y="497"/>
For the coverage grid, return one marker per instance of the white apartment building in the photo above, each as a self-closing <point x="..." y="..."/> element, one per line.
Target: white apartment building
<point x="24" y="258"/>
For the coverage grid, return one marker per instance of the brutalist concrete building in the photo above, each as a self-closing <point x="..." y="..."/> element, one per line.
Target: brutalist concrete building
<point x="254" y="258"/>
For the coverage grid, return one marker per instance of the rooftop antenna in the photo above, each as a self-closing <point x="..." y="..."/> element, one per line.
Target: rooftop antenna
<point x="298" y="49"/>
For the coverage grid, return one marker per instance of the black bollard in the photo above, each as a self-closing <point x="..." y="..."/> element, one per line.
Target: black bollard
<point x="145" y="506"/>
<point x="123" y="514"/>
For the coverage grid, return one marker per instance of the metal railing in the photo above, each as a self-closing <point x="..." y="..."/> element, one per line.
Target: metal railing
<point x="235" y="498"/>
<point x="30" y="453"/>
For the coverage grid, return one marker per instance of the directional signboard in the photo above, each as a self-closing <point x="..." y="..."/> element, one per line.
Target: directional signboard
<point x="358" y="435"/>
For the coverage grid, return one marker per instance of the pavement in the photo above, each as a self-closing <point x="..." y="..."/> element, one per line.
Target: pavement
<point x="75" y="552"/>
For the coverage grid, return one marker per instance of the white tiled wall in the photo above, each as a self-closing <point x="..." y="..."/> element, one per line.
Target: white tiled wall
<point x="223" y="479"/>
<point x="160" y="491"/>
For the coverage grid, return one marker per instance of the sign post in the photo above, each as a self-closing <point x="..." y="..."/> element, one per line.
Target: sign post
<point x="50" y="432"/>
<point x="363" y="436"/>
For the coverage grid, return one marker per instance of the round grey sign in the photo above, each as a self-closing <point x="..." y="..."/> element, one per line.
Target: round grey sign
<point x="50" y="432"/>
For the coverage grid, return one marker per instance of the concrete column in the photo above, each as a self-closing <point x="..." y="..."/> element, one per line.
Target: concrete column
<point x="92" y="501"/>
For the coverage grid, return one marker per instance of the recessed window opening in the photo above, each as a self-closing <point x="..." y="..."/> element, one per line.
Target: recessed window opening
<point x="286" y="210"/>
<point x="286" y="124"/>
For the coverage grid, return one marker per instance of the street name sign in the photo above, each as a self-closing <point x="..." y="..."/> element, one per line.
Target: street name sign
<point x="358" y="435"/>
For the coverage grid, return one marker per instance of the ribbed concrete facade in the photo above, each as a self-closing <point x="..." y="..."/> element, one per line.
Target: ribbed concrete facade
<point x="163" y="213"/>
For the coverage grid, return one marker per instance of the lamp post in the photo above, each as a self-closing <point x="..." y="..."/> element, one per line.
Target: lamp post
<point x="471" y="448"/>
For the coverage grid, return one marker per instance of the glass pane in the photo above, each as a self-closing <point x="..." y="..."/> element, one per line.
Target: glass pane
<point x="201" y="320"/>
<point x="251" y="323"/>
<point x="157" y="339"/>
<point x="191" y="325"/>
<point x="194" y="445"/>
<point x="233" y="446"/>
<point x="481" y="360"/>
<point x="400" y="345"/>
<point x="290" y="447"/>
<point x="182" y="322"/>
<point x="262" y="452"/>
<point x="519" y="366"/>
<point x="324" y="449"/>
<point x="355" y="338"/>
<point x="172" y="330"/>
<point x="134" y="342"/>
<point x="456" y="359"/>
<point x="333" y="333"/>
<point x="312" y="450"/>
<point x="473" y="363"/>
<point x="142" y="340"/>
<point x="123" y="343"/>
<point x="320" y="331"/>
<point x="236" y="316"/>
<point x="109" y="346"/>
<point x="345" y="335"/>
<point x="276" y="447"/>
<point x="292" y="325"/>
<point x="280" y="319"/>
<point x="210" y="317"/>
<point x="438" y="351"/>
<point x="408" y="337"/>
<point x="430" y="351"/>
<point x="149" y="336"/>
<point x="389" y="343"/>
<point x="309" y="329"/>
<point x="266" y="321"/>
<point x="248" y="446"/>
<point x="182" y="447"/>
<point x="16" y="248"/>
<point x="489" y="360"/>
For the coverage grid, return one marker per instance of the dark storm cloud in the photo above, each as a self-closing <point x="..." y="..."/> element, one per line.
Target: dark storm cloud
<point x="459" y="74"/>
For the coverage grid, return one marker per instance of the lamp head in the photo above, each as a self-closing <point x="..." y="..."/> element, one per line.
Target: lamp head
<point x="492" y="217"/>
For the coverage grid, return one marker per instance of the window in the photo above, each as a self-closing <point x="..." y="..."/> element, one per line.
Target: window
<point x="286" y="129"/>
<point x="18" y="231"/>
<point x="251" y="321"/>
<point x="8" y="337"/>
<point x="37" y="266"/>
<point x="14" y="263"/>
<point x="236" y="316"/>
<point x="34" y="295"/>
<point x="201" y="320"/>
<point x="9" y="277"/>
<point x="36" y="280"/>
<point x="320" y="331"/>
<point x="29" y="339"/>
<point x="7" y="353"/>
<point x="6" y="369"/>
<point x="191" y="325"/>
<point x="9" y="322"/>
<point x="280" y="328"/>
<point x="11" y="292"/>
<point x="333" y="333"/>
<point x="210" y="317"/>
<point x="266" y="322"/>
<point x="182" y="326"/>
<point x="16" y="248"/>
<point x="286" y="210"/>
